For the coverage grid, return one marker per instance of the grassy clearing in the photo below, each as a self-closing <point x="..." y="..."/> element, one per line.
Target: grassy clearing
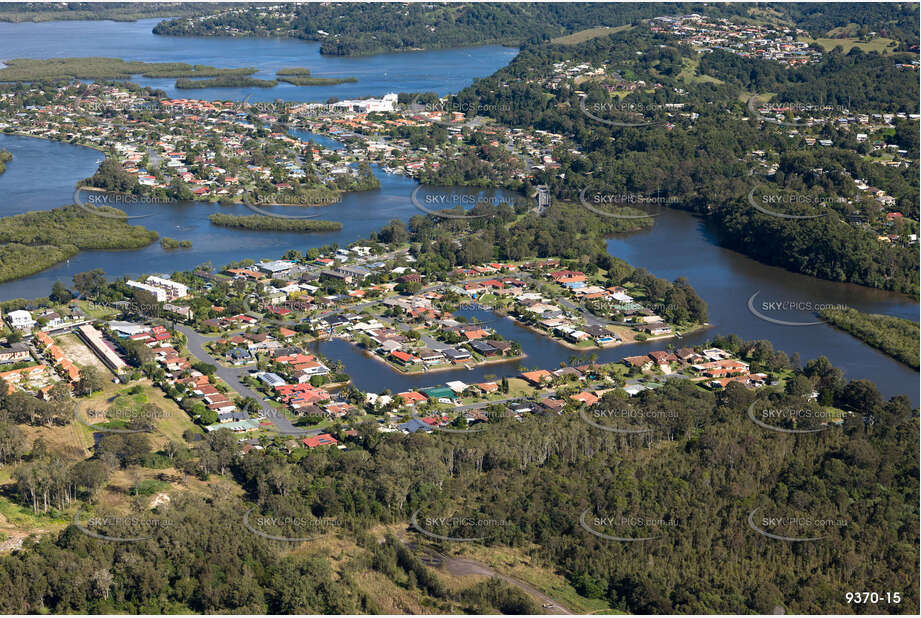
<point x="96" y="310"/>
<point x="517" y="563"/>
<point x="74" y="349"/>
<point x="22" y="517"/>
<point x="689" y="73"/>
<point x="586" y="35"/>
<point x="765" y="16"/>
<point x="879" y="44"/>
<point x="518" y="388"/>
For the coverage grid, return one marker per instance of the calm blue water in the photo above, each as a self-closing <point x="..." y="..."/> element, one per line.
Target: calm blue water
<point x="64" y="165"/>
<point x="441" y="71"/>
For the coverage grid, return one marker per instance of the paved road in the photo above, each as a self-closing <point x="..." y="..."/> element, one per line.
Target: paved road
<point x="233" y="377"/>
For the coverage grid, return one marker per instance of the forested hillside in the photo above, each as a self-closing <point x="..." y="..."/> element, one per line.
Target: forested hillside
<point x="695" y="482"/>
<point x="696" y="143"/>
<point x="350" y="29"/>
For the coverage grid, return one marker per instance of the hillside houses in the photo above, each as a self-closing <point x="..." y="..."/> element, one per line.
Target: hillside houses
<point x="779" y="44"/>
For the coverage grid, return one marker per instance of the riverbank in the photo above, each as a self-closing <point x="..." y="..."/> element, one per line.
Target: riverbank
<point x="35" y="241"/>
<point x="460" y="366"/>
<point x="895" y="337"/>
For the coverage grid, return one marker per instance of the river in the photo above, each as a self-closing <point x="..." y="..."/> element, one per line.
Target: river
<point x="440" y="71"/>
<point x="678" y="245"/>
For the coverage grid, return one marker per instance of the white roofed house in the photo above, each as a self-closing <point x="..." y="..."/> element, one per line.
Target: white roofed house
<point x="20" y="319"/>
<point x="457" y="386"/>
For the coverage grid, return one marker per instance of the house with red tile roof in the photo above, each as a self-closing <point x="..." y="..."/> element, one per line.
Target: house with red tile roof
<point x="643" y="362"/>
<point x="586" y="398"/>
<point x="663" y="358"/>
<point x="324" y="439"/>
<point x="411" y="398"/>
<point x="402" y="358"/>
<point x="568" y="276"/>
<point x="537" y="378"/>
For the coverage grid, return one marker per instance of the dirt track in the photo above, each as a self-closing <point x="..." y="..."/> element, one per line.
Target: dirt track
<point x="466" y="566"/>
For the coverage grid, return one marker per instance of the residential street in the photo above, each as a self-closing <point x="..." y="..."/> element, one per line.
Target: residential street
<point x="233" y="377"/>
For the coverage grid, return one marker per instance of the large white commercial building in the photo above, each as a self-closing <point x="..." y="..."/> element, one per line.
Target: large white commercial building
<point x="385" y="104"/>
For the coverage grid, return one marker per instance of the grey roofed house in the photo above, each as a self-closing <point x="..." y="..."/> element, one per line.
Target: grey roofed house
<point x="335" y="274"/>
<point x="240" y="354"/>
<point x="482" y="347"/>
<point x="290" y="350"/>
<point x="356" y="272"/>
<point x="502" y="346"/>
<point x="311" y="410"/>
<point x="453" y="354"/>
<point x="229" y="417"/>
<point x="566" y="371"/>
<point x="334" y="320"/>
<point x="428" y="354"/>
<point x="14" y="352"/>
<point x="520" y="407"/>
<point x="390" y="345"/>
<point x="271" y="379"/>
<point x="597" y="330"/>
<point x="413" y="425"/>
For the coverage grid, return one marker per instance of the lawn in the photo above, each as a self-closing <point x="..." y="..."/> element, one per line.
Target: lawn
<point x="518" y="387"/>
<point x="96" y="310"/>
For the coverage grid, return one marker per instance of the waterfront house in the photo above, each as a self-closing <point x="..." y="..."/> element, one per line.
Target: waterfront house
<point x="537" y="378"/>
<point x="411" y="398"/>
<point x="456" y="355"/>
<point x="644" y="363"/>
<point x="402" y="358"/>
<point x="483" y="348"/>
<point x="488" y="387"/>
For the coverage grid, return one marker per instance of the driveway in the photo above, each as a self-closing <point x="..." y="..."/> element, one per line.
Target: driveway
<point x="233" y="376"/>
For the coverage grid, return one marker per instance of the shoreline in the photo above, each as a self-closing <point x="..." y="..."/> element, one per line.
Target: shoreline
<point x="458" y="367"/>
<point x="605" y="346"/>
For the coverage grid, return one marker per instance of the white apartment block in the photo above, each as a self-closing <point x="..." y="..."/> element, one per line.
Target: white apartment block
<point x="174" y="289"/>
<point x="159" y="293"/>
